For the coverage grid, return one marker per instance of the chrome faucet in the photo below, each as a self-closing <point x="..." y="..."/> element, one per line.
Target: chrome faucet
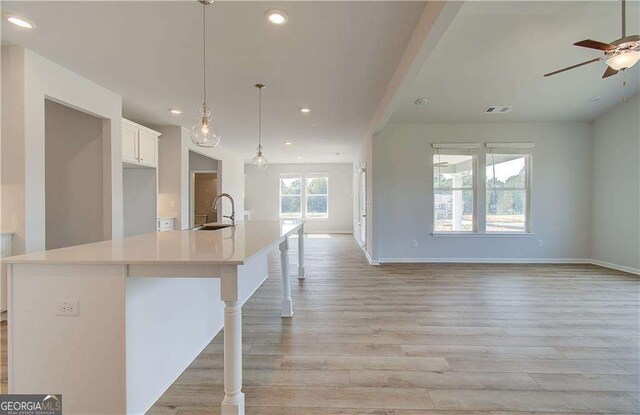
<point x="233" y="208"/>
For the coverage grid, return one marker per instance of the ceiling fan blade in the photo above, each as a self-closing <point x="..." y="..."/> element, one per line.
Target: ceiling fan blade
<point x="609" y="72"/>
<point x="594" y="44"/>
<point x="572" y="67"/>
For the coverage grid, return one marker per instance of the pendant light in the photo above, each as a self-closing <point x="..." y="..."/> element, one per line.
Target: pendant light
<point x="259" y="160"/>
<point x="204" y="133"/>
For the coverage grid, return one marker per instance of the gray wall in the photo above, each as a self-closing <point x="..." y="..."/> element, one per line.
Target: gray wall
<point x="263" y="192"/>
<point x="73" y="177"/>
<point x="615" y="178"/>
<point x="139" y="193"/>
<point x="402" y="199"/>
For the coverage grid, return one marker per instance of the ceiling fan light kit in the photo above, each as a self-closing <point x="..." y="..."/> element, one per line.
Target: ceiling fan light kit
<point x="624" y="60"/>
<point x="619" y="55"/>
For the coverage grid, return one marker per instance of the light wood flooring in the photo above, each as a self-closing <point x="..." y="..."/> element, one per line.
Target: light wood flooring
<point x="429" y="339"/>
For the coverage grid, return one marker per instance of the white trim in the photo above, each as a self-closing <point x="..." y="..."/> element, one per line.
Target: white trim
<point x="455" y="145"/>
<point x="477" y="234"/>
<point x="615" y="266"/>
<point x="509" y="145"/>
<point x="589" y="261"/>
<point x="371" y="261"/>
<point x="485" y="260"/>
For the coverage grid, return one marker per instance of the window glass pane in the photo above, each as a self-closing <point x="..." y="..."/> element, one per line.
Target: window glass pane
<point x="317" y="185"/>
<point x="452" y="171"/>
<point x="291" y="185"/>
<point x="506" y="210"/>
<point x="509" y="171"/>
<point x="290" y="206"/>
<point x="453" y="210"/>
<point x="316" y="206"/>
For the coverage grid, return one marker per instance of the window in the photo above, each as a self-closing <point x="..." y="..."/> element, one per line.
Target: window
<point x="506" y="192"/>
<point x="481" y="189"/>
<point x="290" y="197"/>
<point x="453" y="192"/>
<point x="317" y="197"/>
<point x="308" y="201"/>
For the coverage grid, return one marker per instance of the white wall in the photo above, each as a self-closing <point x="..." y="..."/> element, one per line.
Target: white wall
<point x="174" y="176"/>
<point x="262" y="194"/>
<point x="402" y="186"/>
<point x="615" y="177"/>
<point x="27" y="80"/>
<point x="73" y="172"/>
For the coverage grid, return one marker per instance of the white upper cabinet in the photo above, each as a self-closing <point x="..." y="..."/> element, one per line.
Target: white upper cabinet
<point x="139" y="144"/>
<point x="129" y="143"/>
<point x="147" y="148"/>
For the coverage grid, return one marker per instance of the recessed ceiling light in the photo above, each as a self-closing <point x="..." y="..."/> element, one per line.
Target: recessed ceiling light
<point x="594" y="99"/>
<point x="288" y="143"/>
<point x="175" y="111"/>
<point x="299" y="158"/>
<point x="421" y="101"/>
<point x="276" y="16"/>
<point x="19" y="21"/>
<point x="305" y="110"/>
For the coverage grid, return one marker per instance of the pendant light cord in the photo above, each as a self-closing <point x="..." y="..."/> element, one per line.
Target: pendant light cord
<point x="204" y="51"/>
<point x="259" y="118"/>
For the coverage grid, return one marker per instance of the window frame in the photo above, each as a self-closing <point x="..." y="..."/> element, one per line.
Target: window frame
<point x="291" y="176"/>
<point x="456" y="151"/>
<point x="480" y="153"/>
<point x="308" y="176"/>
<point x="303" y="194"/>
<point x="526" y="188"/>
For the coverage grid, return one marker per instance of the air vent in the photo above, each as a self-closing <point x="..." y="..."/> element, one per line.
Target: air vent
<point x="497" y="109"/>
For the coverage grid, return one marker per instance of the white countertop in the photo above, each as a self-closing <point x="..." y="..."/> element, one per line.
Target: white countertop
<point x="228" y="246"/>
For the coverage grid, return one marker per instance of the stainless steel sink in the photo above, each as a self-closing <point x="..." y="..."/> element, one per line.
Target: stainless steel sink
<point x="213" y="227"/>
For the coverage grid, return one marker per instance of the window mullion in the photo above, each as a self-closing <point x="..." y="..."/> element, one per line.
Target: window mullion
<point x="480" y="196"/>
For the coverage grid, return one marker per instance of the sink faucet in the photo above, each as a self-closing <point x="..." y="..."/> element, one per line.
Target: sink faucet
<point x="233" y="208"/>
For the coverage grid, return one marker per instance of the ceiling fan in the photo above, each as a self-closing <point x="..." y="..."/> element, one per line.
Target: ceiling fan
<point x="619" y="55"/>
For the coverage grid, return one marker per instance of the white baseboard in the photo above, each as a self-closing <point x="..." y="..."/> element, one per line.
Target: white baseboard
<point x="506" y="261"/>
<point x="615" y="266"/>
<point x="371" y="261"/>
<point x="484" y="260"/>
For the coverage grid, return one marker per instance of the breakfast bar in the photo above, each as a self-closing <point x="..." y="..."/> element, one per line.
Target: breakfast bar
<point x="78" y="316"/>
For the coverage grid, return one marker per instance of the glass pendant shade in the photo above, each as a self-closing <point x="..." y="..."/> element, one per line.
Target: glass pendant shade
<point x="204" y="133"/>
<point x="260" y="161"/>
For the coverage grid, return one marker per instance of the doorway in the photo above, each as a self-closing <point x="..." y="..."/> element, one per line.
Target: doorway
<point x="204" y="186"/>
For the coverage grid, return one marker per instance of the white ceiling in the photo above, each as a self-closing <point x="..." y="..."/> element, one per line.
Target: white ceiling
<point x="495" y="53"/>
<point x="335" y="57"/>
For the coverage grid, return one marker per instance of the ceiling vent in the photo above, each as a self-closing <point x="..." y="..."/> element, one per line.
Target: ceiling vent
<point x="497" y="109"/>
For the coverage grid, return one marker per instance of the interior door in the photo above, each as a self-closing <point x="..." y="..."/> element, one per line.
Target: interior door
<point x="129" y="143"/>
<point x="147" y="148"/>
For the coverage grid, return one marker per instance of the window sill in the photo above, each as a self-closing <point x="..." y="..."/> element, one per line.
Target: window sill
<point x="487" y="234"/>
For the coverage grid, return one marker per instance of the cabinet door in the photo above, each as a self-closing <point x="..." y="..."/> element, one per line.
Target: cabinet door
<point x="129" y="143"/>
<point x="147" y="148"/>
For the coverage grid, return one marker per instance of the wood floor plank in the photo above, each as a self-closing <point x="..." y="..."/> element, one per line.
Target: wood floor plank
<point x="582" y="402"/>
<point x="426" y="339"/>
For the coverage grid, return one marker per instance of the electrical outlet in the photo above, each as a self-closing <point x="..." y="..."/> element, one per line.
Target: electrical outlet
<point x="68" y="308"/>
<point x="540" y="243"/>
<point x="414" y="244"/>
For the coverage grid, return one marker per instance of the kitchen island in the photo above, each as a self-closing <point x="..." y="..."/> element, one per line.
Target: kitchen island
<point x="83" y="319"/>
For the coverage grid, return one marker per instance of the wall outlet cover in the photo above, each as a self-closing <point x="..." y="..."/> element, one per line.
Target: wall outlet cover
<point x="414" y="243"/>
